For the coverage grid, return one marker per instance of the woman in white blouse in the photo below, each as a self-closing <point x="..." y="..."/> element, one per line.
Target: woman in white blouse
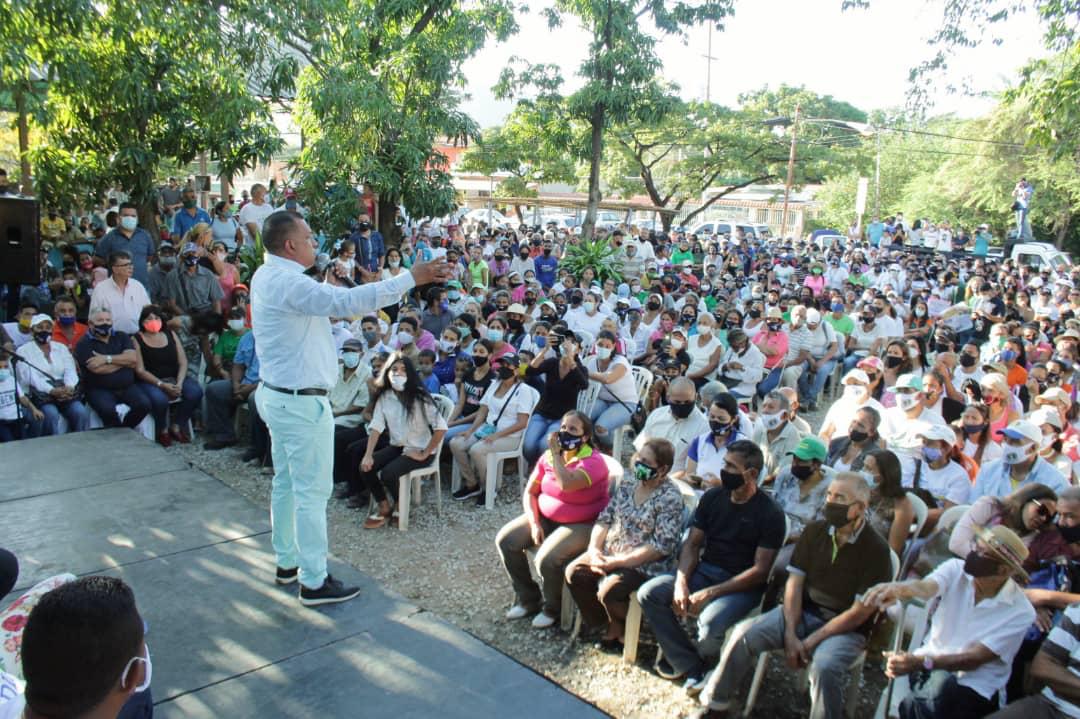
<point x="504" y="413"/>
<point x="705" y="351"/>
<point x="404" y="409"/>
<point x="618" y="398"/>
<point x="52" y="381"/>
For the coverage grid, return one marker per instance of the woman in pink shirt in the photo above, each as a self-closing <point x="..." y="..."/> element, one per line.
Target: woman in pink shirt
<point x="566" y="492"/>
<point x="773" y="343"/>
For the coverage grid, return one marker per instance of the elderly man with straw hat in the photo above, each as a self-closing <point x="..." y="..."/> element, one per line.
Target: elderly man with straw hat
<point x="961" y="669"/>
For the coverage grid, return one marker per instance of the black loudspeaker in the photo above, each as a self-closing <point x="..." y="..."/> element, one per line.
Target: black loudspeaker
<point x="20" y="240"/>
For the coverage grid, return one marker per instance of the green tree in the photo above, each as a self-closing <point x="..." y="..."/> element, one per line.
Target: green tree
<point x="381" y="88"/>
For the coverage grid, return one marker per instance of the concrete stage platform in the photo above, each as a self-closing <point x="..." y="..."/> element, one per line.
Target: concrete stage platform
<point x="224" y="639"/>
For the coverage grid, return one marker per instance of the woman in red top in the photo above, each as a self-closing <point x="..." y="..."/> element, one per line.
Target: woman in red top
<point x="67" y="330"/>
<point x="566" y="492"/>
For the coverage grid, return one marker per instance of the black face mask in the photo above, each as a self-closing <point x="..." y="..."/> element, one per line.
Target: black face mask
<point x="652" y="305"/>
<point x="102" y="330"/>
<point x="570" y="441"/>
<point x="731" y="481"/>
<point x="858" y="436"/>
<point x="681" y="410"/>
<point x="801" y="472"/>
<point x="977" y="565"/>
<point x="719" y="428"/>
<point x="1069" y="534"/>
<point x="479" y="361"/>
<point x="836" y="514"/>
<point x="506" y="372"/>
<point x="575" y="300"/>
<point x="754" y="314"/>
<point x="967" y="360"/>
<point x="515" y="325"/>
<point x="893" y="362"/>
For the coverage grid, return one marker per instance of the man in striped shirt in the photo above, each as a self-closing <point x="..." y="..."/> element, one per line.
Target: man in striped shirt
<point x="1057" y="667"/>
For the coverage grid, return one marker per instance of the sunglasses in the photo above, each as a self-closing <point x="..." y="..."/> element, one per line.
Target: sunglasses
<point x="1043" y="511"/>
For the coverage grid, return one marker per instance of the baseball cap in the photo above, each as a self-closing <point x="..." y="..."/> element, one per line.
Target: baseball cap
<point x="38" y="318"/>
<point x="873" y="363"/>
<point x="1046" y="415"/>
<point x="774" y="313"/>
<point x="517" y="308"/>
<point x="1054" y="394"/>
<point x="353" y="344"/>
<point x="856" y="374"/>
<point x="454" y="283"/>
<point x="808" y="448"/>
<point x="939" y="432"/>
<point x="190" y="248"/>
<point x="813" y="317"/>
<point x="1022" y="429"/>
<point x="907" y="381"/>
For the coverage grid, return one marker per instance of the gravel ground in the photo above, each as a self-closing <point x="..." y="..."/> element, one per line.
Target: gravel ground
<point x="463" y="582"/>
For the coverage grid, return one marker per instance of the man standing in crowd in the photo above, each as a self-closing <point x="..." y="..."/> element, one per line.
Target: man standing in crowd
<point x="298" y="366"/>
<point x="128" y="237"/>
<point x="254" y="213"/>
<point x="188" y="216"/>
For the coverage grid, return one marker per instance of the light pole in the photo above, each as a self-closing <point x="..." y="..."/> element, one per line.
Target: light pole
<point x="790" y="170"/>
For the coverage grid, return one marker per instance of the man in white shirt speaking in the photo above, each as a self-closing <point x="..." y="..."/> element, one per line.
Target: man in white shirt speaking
<point x="298" y="366"/>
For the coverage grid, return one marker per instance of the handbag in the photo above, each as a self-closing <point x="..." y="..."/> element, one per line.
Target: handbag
<point x="489" y="428"/>
<point x="1055" y="575"/>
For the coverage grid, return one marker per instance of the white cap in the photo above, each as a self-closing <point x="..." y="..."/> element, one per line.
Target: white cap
<point x="813" y="317"/>
<point x="1046" y="415"/>
<point x="858" y="375"/>
<point x="939" y="432"/>
<point x="1023" y="429"/>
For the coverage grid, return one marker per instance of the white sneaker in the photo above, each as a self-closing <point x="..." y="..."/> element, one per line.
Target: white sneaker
<point x="543" y="621"/>
<point x="517" y="612"/>
<point x="694" y="685"/>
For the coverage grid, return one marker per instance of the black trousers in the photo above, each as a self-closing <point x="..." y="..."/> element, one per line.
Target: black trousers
<point x="104" y="402"/>
<point x="344" y="468"/>
<point x="391" y="464"/>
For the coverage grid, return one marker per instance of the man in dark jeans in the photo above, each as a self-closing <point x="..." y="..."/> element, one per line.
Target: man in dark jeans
<point x="107" y="361"/>
<point x="222" y="398"/>
<point x="740" y="529"/>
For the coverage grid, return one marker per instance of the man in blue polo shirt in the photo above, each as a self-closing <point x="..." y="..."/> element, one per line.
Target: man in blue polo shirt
<point x="874" y="231"/>
<point x="107" y="360"/>
<point x="128" y="237"/>
<point x="188" y="216"/>
<point x="547" y="266"/>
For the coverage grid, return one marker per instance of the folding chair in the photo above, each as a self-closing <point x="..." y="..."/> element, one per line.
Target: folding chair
<point x="409" y="484"/>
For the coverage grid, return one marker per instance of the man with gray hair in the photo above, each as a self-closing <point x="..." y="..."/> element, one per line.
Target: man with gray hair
<point x="679" y="421"/>
<point x="254" y="213"/>
<point x="775" y="434"/>
<point x="821" y="624"/>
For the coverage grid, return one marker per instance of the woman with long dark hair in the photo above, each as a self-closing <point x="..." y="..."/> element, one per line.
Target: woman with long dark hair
<point x="404" y="409"/>
<point x="890" y="511"/>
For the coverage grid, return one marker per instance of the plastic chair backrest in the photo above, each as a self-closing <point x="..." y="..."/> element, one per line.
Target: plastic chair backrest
<point x="921" y="513"/>
<point x="643" y="380"/>
<point x="446" y="407"/>
<point x="587" y="398"/>
<point x="587" y="341"/>
<point x="689" y="496"/>
<point x="615" y="472"/>
<point x="895" y="564"/>
<point x="951" y="516"/>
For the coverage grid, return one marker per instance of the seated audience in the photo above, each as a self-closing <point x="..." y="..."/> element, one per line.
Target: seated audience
<point x="107" y="359"/>
<point x="161" y="366"/>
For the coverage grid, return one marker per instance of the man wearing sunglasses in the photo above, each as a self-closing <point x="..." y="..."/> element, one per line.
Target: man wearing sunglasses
<point x="961" y="669"/>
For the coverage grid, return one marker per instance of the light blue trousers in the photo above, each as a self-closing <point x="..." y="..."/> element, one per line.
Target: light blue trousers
<point x="302" y="447"/>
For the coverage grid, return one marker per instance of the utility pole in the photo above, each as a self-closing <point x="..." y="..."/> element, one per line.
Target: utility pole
<point x="790" y="170"/>
<point x="877" y="175"/>
<point x="708" y="66"/>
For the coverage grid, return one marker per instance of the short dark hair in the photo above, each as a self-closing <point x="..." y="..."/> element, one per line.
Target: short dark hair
<point x="128" y="206"/>
<point x="276" y="229"/>
<point x="76" y="643"/>
<point x="751" y="455"/>
<point x="147" y="311"/>
<point x="115" y="257"/>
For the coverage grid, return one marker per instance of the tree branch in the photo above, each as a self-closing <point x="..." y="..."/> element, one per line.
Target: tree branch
<point x="727" y="191"/>
<point x="425" y="19"/>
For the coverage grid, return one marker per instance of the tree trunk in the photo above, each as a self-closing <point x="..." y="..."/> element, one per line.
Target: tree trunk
<point x="666" y="221"/>
<point x="387" y="225"/>
<point x="596" y="150"/>
<point x="26" y="186"/>
<point x="520" y="214"/>
<point x="1062" y="229"/>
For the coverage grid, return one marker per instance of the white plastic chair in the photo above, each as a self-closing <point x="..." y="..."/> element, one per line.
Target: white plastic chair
<point x="915" y="617"/>
<point x="409" y="484"/>
<point x="921" y="513"/>
<point x="587" y="341"/>
<point x="495" y="461"/>
<point x="643" y="380"/>
<point x="145" y="428"/>
<point x="951" y="516"/>
<point x="587" y="398"/>
<point x="851" y="702"/>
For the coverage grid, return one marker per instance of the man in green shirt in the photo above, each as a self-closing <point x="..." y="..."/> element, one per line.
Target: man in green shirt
<point x="682" y="254"/>
<point x="857" y="278"/>
<point x="840" y="321"/>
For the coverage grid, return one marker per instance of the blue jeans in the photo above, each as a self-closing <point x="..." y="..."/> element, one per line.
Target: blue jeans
<point x="853" y="359"/>
<point x="684" y="656"/>
<point x="937" y="695"/>
<point x="608" y="417"/>
<point x="302" y="447"/>
<point x="771" y="381"/>
<point x="190" y="395"/>
<point x="536" y="436"/>
<point x="454" y="432"/>
<point x="810" y="384"/>
<point x="75" y="412"/>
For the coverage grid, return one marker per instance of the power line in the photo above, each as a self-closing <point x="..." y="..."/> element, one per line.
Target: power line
<point x="949" y="137"/>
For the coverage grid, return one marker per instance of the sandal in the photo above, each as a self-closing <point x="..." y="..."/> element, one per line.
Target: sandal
<point x="377" y="519"/>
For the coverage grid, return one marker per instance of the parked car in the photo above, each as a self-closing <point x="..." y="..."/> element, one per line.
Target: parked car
<point x="728" y="227"/>
<point x="1040" y="256"/>
<point x="497" y="218"/>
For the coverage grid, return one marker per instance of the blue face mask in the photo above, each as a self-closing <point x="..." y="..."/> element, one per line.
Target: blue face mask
<point x="453" y="295"/>
<point x="5" y="375"/>
<point x="540" y="341"/>
<point x="495" y="335"/>
<point x="932" y="454"/>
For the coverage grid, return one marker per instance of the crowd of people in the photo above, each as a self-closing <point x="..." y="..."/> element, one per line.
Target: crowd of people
<point x="946" y="380"/>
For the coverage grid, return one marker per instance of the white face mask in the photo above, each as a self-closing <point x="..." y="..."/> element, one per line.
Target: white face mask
<point x="1013" y="455"/>
<point x="590" y="307"/>
<point x="404" y="338"/>
<point x="1047" y="440"/>
<point x="906" y="401"/>
<point x="394" y="264"/>
<point x="397" y="381"/>
<point x="772" y="421"/>
<point x="913" y="353"/>
<point x="853" y="391"/>
<point x="677" y="345"/>
<point x="704" y="330"/>
<point x="447" y="345"/>
<point x="236" y="325"/>
<point x="351" y="359"/>
<point x="603" y="352"/>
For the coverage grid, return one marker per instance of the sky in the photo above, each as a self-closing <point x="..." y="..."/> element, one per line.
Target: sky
<point x="860" y="56"/>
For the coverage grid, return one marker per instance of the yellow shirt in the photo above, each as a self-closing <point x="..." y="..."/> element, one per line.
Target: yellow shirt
<point x="52" y="229"/>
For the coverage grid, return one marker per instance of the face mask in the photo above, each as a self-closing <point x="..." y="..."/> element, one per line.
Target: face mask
<point x="370" y="336"/>
<point x="570" y="441"/>
<point x="191" y="261"/>
<point x="920" y="312"/>
<point x="774" y="326"/>
<point x="447" y="345"/>
<point x="394" y="264"/>
<point x="1047" y="441"/>
<point x="853" y="392"/>
<point x="973" y="429"/>
<point x="152" y="325"/>
<point x="102" y="330"/>
<point x="731" y="481"/>
<point x="681" y="410"/>
<point x="5" y="375"/>
<point x="188" y="204"/>
<point x="932" y="454"/>
<point x="351" y="359"/>
<point x="603" y="352"/>
<point x="688" y="319"/>
<point x="643" y="472"/>
<point x="590" y="306"/>
<point x="404" y="338"/>
<point x="677" y="345"/>
<point x="42" y="337"/>
<point x="1069" y="534"/>
<point x="69" y="284"/>
<point x="772" y="421"/>
<point x="398" y="382"/>
<point x="149" y="672"/>
<point x="1013" y="455"/>
<point x="453" y="295"/>
<point x="976" y="565"/>
<point x="913" y="353"/>
<point x="236" y="325"/>
<point x="906" y="401"/>
<point x="892" y="362"/>
<point x="494" y="335"/>
<point x="858" y="436"/>
<point x="868" y="321"/>
<point x="652" y="305"/>
<point x="967" y="360"/>
<point x="719" y="428"/>
<point x="801" y="472"/>
<point x="705" y="330"/>
<point x="166" y="263"/>
<point x="129" y="223"/>
<point x="66" y="321"/>
<point x="479" y="361"/>
<point x="836" y="514"/>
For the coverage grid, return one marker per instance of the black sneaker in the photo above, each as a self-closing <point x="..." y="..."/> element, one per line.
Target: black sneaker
<point x="666" y="671"/>
<point x="467" y="493"/>
<point x="331" y="592"/>
<point x="250" y="455"/>
<point x="287" y="576"/>
<point x="481" y="499"/>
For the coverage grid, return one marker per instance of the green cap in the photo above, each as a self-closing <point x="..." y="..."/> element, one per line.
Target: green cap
<point x="810" y="448"/>
<point x="454" y="283"/>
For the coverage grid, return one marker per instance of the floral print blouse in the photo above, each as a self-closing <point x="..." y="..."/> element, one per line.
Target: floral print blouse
<point x="658" y="521"/>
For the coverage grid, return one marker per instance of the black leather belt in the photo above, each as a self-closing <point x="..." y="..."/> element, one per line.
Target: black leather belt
<point x="306" y="392"/>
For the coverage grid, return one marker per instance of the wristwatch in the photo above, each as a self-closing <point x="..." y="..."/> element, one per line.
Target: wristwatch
<point x="108" y="359"/>
<point x="928" y="663"/>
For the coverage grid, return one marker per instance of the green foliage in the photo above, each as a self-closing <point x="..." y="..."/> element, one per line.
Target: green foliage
<point x="595" y="253"/>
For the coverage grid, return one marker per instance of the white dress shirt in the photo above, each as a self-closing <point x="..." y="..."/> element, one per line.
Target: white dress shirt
<point x="998" y="623"/>
<point x="290" y="318"/>
<point x="680" y="432"/>
<point x="60" y="366"/>
<point x="124" y="305"/>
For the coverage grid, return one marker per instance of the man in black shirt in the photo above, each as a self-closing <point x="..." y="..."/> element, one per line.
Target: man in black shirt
<point x="821" y="624"/>
<point x="107" y="361"/>
<point x="740" y="529"/>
